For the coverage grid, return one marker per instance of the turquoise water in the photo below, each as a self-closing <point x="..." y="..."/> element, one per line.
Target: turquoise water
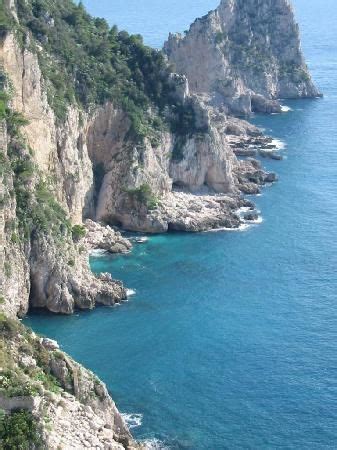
<point x="231" y="338"/>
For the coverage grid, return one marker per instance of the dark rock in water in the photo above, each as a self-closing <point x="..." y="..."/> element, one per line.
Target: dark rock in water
<point x="255" y="163"/>
<point x="247" y="204"/>
<point x="258" y="177"/>
<point x="270" y="177"/>
<point x="276" y="156"/>
<point x="271" y="155"/>
<point x="261" y="104"/>
<point x="245" y="152"/>
<point x="251" y="216"/>
<point x="249" y="188"/>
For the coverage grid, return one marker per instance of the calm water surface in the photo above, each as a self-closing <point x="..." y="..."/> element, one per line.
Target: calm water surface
<point x="231" y="338"/>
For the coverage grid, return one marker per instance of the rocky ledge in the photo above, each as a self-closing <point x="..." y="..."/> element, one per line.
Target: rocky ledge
<point x="197" y="212"/>
<point x="101" y="237"/>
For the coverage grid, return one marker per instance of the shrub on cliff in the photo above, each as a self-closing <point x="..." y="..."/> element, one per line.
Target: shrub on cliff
<point x="78" y="232"/>
<point x="5" y="19"/>
<point x="144" y="195"/>
<point x="18" y="430"/>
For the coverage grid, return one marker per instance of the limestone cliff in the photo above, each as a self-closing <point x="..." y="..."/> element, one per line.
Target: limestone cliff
<point x="99" y="171"/>
<point x="245" y="54"/>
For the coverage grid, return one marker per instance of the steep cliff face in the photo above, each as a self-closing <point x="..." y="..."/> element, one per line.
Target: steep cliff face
<point x="59" y="147"/>
<point x="118" y="140"/>
<point x="14" y="267"/>
<point x="245" y="54"/>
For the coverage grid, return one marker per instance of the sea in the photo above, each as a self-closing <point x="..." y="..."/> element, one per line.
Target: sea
<point x="229" y="339"/>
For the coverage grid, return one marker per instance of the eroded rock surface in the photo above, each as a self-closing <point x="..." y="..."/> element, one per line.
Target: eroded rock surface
<point x="246" y="54"/>
<point x="71" y="406"/>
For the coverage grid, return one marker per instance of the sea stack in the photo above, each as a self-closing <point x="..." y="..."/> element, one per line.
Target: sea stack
<point x="246" y="54"/>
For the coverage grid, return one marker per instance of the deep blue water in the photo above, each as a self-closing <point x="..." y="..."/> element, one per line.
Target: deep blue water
<point x="231" y="338"/>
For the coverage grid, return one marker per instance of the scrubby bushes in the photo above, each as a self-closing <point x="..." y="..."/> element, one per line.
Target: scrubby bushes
<point x="144" y="196"/>
<point x="78" y="232"/>
<point x="5" y="19"/>
<point x="18" y="430"/>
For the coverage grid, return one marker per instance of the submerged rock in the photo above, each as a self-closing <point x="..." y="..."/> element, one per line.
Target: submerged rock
<point x="251" y="216"/>
<point x="271" y="155"/>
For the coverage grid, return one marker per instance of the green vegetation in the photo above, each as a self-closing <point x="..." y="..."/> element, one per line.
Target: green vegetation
<point x="144" y="196"/>
<point x="78" y="232"/>
<point x="36" y="207"/>
<point x="16" y="379"/>
<point x="6" y="21"/>
<point x="8" y="327"/>
<point x="8" y="269"/>
<point x="219" y="37"/>
<point x="84" y="61"/>
<point x="87" y="62"/>
<point x="296" y="73"/>
<point x="14" y="384"/>
<point x="48" y="381"/>
<point x="18" y="430"/>
<point x="38" y="211"/>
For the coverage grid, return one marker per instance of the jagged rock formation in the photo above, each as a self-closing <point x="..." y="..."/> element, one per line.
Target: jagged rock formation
<point x="245" y="55"/>
<point x="71" y="407"/>
<point x="85" y="145"/>
<point x="45" y="271"/>
<point x="100" y="237"/>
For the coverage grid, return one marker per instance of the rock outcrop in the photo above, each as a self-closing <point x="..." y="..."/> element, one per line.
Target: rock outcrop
<point x="61" y="281"/>
<point x="71" y="407"/>
<point x="101" y="237"/>
<point x="245" y="54"/>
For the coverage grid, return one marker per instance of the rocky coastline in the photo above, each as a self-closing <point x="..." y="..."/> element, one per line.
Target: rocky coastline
<point x="69" y="185"/>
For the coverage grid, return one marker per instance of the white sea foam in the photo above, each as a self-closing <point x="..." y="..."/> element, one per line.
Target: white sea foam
<point x="133" y="420"/>
<point x="154" y="444"/>
<point x="97" y="252"/>
<point x="242" y="227"/>
<point x="285" y="108"/>
<point x="243" y="210"/>
<point x="255" y="222"/>
<point x="130" y="292"/>
<point x="278" y="145"/>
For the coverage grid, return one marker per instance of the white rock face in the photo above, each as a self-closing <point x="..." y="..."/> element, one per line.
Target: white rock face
<point x="100" y="237"/>
<point x="206" y="158"/>
<point x="14" y="267"/>
<point x="59" y="149"/>
<point x="245" y="54"/>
